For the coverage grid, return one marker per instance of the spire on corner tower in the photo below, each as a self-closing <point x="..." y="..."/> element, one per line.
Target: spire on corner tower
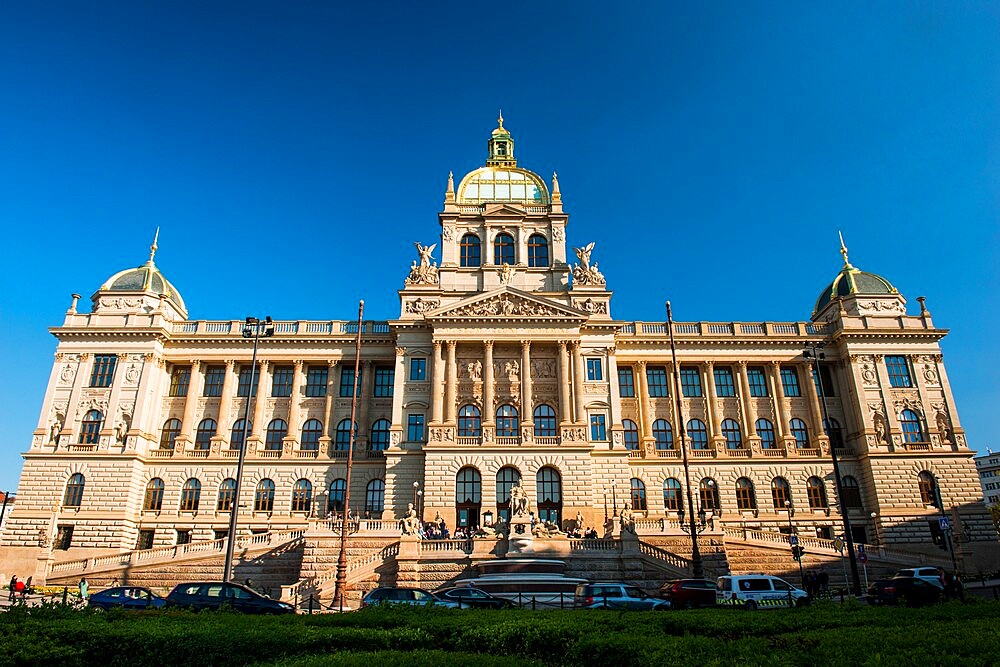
<point x="556" y="195"/>
<point x="501" y="147"/>
<point x="843" y="251"/>
<point x="449" y="194"/>
<point x="152" y="248"/>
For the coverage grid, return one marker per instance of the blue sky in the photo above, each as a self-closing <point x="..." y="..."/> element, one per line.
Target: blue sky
<point x="292" y="152"/>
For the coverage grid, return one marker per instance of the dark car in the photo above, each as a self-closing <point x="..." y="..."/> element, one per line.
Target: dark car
<point x="688" y="593"/>
<point x="126" y="597"/>
<point x="473" y="597"/>
<point x="217" y="595"/>
<point x="408" y="596"/>
<point x="615" y="595"/>
<point x="909" y="591"/>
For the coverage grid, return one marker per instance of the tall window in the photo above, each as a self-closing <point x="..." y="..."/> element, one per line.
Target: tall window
<point x="206" y="431"/>
<point x="248" y="379"/>
<point x="74" y="490"/>
<point x="656" y="381"/>
<point x="757" y="381"/>
<point x="790" y="382"/>
<point x="780" y="492"/>
<point x="384" y="377"/>
<point x="469" y="422"/>
<point x="549" y="494"/>
<point x="909" y="422"/>
<point x="638" y="494"/>
<point x="834" y="431"/>
<point x="708" y="491"/>
<point x="470" y="251"/>
<point x="507" y="422"/>
<point x="595" y="370"/>
<point x="538" y="251"/>
<point x="281" y="381"/>
<point x="816" y="493"/>
<point x="690" y="382"/>
<point x="302" y="492"/>
<point x="746" y="496"/>
<point x="180" y="380"/>
<point x="852" y="492"/>
<point x="190" y="495"/>
<point x="631" y="434"/>
<point x="765" y="430"/>
<point x="506" y="478"/>
<point x="663" y="436"/>
<point x="343" y="435"/>
<point x="276" y="432"/>
<point x="316" y="379"/>
<point x="724" y="386"/>
<point x="928" y="489"/>
<point x="418" y="369"/>
<point x="503" y="249"/>
<point x="347" y="380"/>
<point x="731" y="432"/>
<point x="375" y="497"/>
<point x="236" y="435"/>
<point x="263" y="499"/>
<point x="312" y="431"/>
<point x="598" y="427"/>
<point x="103" y="373"/>
<point x="227" y="491"/>
<point x="153" y="500"/>
<point x="899" y="371"/>
<point x="215" y="376"/>
<point x="698" y="433"/>
<point x="468" y="497"/>
<point x="335" y="496"/>
<point x="415" y="427"/>
<point x="828" y="388"/>
<point x="626" y="382"/>
<point x="671" y="494"/>
<point x="90" y="428"/>
<point x="379" y="440"/>
<point x="800" y="433"/>
<point x="171" y="429"/>
<point x="545" y="421"/>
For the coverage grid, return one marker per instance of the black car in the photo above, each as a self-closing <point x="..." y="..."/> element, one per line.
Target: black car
<point x="473" y="597"/>
<point x="126" y="597"/>
<point x="688" y="593"/>
<point x="391" y="595"/>
<point x="216" y="595"/>
<point x="909" y="591"/>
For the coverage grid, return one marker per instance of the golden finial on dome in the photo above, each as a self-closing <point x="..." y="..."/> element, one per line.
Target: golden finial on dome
<point x="152" y="248"/>
<point x="843" y="249"/>
<point x="500" y="120"/>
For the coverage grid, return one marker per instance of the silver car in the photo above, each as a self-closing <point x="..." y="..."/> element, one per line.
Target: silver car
<point x="615" y="595"/>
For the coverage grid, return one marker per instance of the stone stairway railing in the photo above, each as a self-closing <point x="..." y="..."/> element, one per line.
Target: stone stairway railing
<point x="357" y="569"/>
<point x="679" y="563"/>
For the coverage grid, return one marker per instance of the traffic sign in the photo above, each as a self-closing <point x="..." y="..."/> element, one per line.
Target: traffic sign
<point x="838" y="544"/>
<point x="793" y="540"/>
<point x="862" y="555"/>
<point x="944" y="524"/>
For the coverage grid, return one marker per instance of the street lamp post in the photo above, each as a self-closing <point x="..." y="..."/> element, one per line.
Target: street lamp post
<point x="945" y="525"/>
<point x="793" y="543"/>
<point x="815" y="353"/>
<point x="697" y="569"/>
<point x="253" y="328"/>
<point x="420" y="506"/>
<point x="878" y="538"/>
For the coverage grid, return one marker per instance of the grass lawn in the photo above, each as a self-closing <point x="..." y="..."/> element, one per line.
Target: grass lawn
<point x="950" y="634"/>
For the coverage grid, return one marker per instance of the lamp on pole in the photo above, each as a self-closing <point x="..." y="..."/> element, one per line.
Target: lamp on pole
<point x="420" y="505"/>
<point x="815" y="352"/>
<point x="793" y="543"/>
<point x="945" y="524"/>
<point x="878" y="538"/>
<point x="256" y="329"/>
<point x="697" y="570"/>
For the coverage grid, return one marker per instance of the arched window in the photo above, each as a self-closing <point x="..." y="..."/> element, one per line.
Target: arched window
<point x="468" y="497"/>
<point x="672" y="494"/>
<point x="909" y="422"/>
<point x="506" y="478"/>
<point x="375" y="498"/>
<point x="343" y="435"/>
<point x="276" y="432"/>
<point x="302" y="493"/>
<point x="335" y="496"/>
<point x="698" y="433"/>
<point x="545" y="421"/>
<point x="263" y="499"/>
<point x="90" y="429"/>
<point x="74" y="490"/>
<point x="549" y="493"/>
<point x="503" y="249"/>
<point x="834" y="432"/>
<point x="203" y="436"/>
<point x="852" y="493"/>
<point x="227" y="491"/>
<point x="470" y="251"/>
<point x="925" y="482"/>
<point x="663" y="436"/>
<point x="816" y="493"/>
<point x="171" y="429"/>
<point x="746" y="496"/>
<point x="236" y="435"/>
<point x="469" y="422"/>
<point x="507" y="423"/>
<point x="780" y="493"/>
<point x="190" y="495"/>
<point x="312" y="431"/>
<point x="765" y="430"/>
<point x="638" y="495"/>
<point x="631" y="434"/>
<point x="731" y="432"/>
<point x="153" y="500"/>
<point x="538" y="251"/>
<point x="380" y="435"/>
<point x="800" y="433"/>
<point x="708" y="490"/>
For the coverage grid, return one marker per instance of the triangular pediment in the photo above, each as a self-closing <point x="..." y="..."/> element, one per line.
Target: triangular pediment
<point x="503" y="209"/>
<point x="507" y="303"/>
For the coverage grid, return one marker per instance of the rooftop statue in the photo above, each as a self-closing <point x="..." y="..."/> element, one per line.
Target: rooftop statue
<point x="426" y="272"/>
<point x="584" y="273"/>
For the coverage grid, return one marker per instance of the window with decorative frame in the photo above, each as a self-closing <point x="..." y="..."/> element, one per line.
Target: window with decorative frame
<point x="336" y="494"/>
<point x="215" y="377"/>
<point x="282" y="378"/>
<point x="631" y="431"/>
<point x="375" y="497"/>
<point x="538" y="251"/>
<point x="780" y="493"/>
<point x="384" y="379"/>
<point x="765" y="429"/>
<point x="746" y="496"/>
<point x="757" y="379"/>
<point x="180" y="380"/>
<point x="153" y="500"/>
<point x="638" y="494"/>
<point x="899" y="371"/>
<point x="190" y="495"/>
<point x="724" y="385"/>
<point x="816" y="494"/>
<point x="626" y="382"/>
<point x="698" y="434"/>
<point x="316" y="379"/>
<point x="507" y="422"/>
<point x="380" y="436"/>
<point x="263" y="500"/>
<point x="927" y="485"/>
<point x="204" y="434"/>
<point x="545" y="421"/>
<point x="909" y="423"/>
<point x="663" y="435"/>
<point x="503" y="249"/>
<point x="103" y="372"/>
<point x="690" y="382"/>
<point x="312" y="431"/>
<point x="302" y="495"/>
<point x="470" y="251"/>
<point x="277" y="430"/>
<point x="73" y="497"/>
<point x="800" y="432"/>
<point x="851" y="491"/>
<point x="790" y="382"/>
<point x="731" y="432"/>
<point x="90" y="427"/>
<point x="227" y="492"/>
<point x="171" y="429"/>
<point x="672" y="500"/>
<point x="241" y="428"/>
<point x="656" y="382"/>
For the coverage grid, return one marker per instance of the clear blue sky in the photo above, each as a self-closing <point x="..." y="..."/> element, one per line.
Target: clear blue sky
<point x="292" y="152"/>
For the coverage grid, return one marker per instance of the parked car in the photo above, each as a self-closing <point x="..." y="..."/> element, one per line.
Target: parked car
<point x="216" y="595"/>
<point x="410" y="596"/>
<point x="931" y="575"/>
<point x="688" y="593"/>
<point x="614" y="595"/>
<point x="126" y="597"/>
<point x="752" y="591"/>
<point x="465" y="596"/>
<point x="909" y="591"/>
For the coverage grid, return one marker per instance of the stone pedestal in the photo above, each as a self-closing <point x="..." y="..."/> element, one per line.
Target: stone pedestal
<point x="519" y="538"/>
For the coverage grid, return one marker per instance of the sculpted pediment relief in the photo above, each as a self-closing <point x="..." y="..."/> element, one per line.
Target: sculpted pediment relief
<point x="500" y="209"/>
<point x="509" y="303"/>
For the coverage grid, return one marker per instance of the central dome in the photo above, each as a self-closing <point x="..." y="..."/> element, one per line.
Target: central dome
<point x="502" y="184"/>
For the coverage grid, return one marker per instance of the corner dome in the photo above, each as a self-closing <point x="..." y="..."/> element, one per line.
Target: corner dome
<point x="145" y="278"/>
<point x="853" y="281"/>
<point x="502" y="184"/>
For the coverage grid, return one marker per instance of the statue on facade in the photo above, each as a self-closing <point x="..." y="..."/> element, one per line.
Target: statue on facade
<point x="943" y="427"/>
<point x="627" y="519"/>
<point x="475" y="369"/>
<point x="879" y="427"/>
<point x="425" y="272"/>
<point x="55" y="429"/>
<point x="121" y="428"/>
<point x="584" y="273"/>
<point x="518" y="500"/>
<point x="506" y="272"/>
<point x="410" y="523"/>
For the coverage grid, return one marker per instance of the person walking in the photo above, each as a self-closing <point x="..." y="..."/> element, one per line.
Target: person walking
<point x="13" y="588"/>
<point x="83" y="586"/>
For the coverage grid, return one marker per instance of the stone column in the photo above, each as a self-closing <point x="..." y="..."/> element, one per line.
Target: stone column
<point x="778" y="399"/>
<point x="711" y="400"/>
<point x="225" y="405"/>
<point x="451" y="393"/>
<point x="195" y="388"/>
<point x="293" y="404"/>
<point x="437" y="384"/>
<point x="527" y="414"/>
<point x="259" y="402"/>
<point x="364" y="399"/>
<point x="488" y="380"/>
<point x="815" y="410"/>
<point x="580" y="415"/>
<point x="564" y="405"/>
<point x="328" y="417"/>
<point x="749" y="410"/>
<point x="645" y="414"/>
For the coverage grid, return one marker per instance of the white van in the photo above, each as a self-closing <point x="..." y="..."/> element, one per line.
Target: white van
<point x="751" y="591"/>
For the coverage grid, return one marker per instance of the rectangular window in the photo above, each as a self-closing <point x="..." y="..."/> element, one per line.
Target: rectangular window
<point x="598" y="428"/>
<point x="758" y="382"/>
<point x="415" y="427"/>
<point x="418" y="369"/>
<point x="384" y="378"/>
<point x="316" y="377"/>
<point x="656" y="380"/>
<point x="790" y="382"/>
<point x="281" y="381"/>
<point x="145" y="539"/>
<point x="244" y="387"/>
<point x="595" y="372"/>
<point x="828" y="388"/>
<point x="103" y="373"/>
<point x="183" y="537"/>
<point x="214" y="377"/>
<point x="180" y="379"/>
<point x="899" y="371"/>
<point x="724" y="387"/>
<point x="626" y="382"/>
<point x="64" y="538"/>
<point x="690" y="382"/>
<point x="347" y="380"/>
<point x="221" y="534"/>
